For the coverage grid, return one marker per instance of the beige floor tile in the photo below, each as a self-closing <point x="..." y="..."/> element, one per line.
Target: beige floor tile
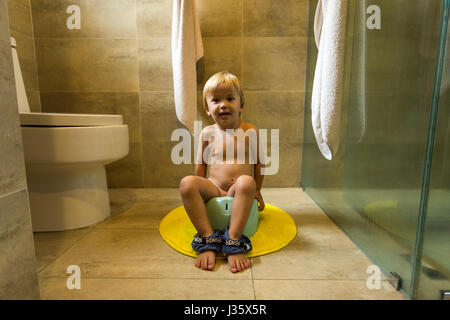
<point x="140" y="289"/>
<point x="323" y="290"/>
<point x="138" y="216"/>
<point x="124" y="257"/>
<point x="286" y="196"/>
<point x="127" y="253"/>
<point x="299" y="261"/>
<point x="122" y="196"/>
<point x="50" y="245"/>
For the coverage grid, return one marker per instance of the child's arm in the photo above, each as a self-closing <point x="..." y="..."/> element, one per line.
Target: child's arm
<point x="258" y="176"/>
<point x="200" y="165"/>
<point x="259" y="181"/>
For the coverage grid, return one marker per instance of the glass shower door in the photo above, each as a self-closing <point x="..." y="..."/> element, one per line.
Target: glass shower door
<point x="390" y="100"/>
<point x="372" y="188"/>
<point x="434" y="271"/>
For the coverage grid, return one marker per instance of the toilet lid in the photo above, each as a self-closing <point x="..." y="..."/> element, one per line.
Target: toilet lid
<point x="69" y="119"/>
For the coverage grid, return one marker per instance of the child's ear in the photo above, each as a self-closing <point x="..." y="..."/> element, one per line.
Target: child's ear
<point x="207" y="110"/>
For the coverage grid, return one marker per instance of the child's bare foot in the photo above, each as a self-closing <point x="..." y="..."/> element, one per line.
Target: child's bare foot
<point x="206" y="260"/>
<point x="238" y="262"/>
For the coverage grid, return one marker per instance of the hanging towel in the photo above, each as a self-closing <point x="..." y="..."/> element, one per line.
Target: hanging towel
<point x="329" y="28"/>
<point x="187" y="49"/>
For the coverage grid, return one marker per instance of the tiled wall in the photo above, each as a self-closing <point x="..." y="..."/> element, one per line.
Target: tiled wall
<point x="18" y="278"/>
<point x="120" y="62"/>
<point x="21" y="28"/>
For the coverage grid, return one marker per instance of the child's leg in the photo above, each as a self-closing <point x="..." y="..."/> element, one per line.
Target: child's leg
<point x="195" y="191"/>
<point x="243" y="190"/>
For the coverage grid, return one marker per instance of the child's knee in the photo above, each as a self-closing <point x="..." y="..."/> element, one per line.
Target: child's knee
<point x="246" y="184"/>
<point x="187" y="185"/>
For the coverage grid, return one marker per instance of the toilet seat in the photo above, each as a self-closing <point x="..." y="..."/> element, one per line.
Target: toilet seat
<point x="52" y="138"/>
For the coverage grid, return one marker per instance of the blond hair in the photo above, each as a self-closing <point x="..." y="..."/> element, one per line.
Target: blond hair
<point x="218" y="79"/>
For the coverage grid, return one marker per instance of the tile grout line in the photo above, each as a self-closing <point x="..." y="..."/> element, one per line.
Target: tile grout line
<point x="206" y="279"/>
<point x="63" y="252"/>
<point x="253" y="279"/>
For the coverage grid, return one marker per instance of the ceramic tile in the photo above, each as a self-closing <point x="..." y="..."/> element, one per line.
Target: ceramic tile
<point x="140" y="215"/>
<point x="158" y="116"/>
<point x="126" y="172"/>
<point x="154" y="18"/>
<point x="220" y="18"/>
<point x="34" y="100"/>
<point x="274" y="63"/>
<point x="159" y="169"/>
<point x="20" y="16"/>
<point x="126" y="196"/>
<point x="85" y="64"/>
<point x="147" y="289"/>
<point x="289" y="165"/>
<point x="12" y="169"/>
<point x="124" y="257"/>
<point x="100" y="19"/>
<point x="4" y="23"/>
<point x="300" y="260"/>
<point x="50" y="245"/>
<point x="259" y="110"/>
<point x="155" y="64"/>
<point x="18" y="262"/>
<point x="266" y="18"/>
<point x="222" y="54"/>
<point x="323" y="290"/>
<point x="133" y="253"/>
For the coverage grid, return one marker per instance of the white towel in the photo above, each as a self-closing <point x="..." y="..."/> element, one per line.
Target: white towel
<point x="329" y="27"/>
<point x="187" y="49"/>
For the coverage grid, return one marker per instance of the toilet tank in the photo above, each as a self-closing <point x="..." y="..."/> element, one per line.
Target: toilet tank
<point x="22" y="100"/>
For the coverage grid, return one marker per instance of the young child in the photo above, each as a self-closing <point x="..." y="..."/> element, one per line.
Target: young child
<point x="223" y="101"/>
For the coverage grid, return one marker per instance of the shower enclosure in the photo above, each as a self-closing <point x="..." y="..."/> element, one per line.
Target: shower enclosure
<point x="388" y="188"/>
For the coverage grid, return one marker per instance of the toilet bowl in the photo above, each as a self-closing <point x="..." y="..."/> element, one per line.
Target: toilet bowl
<point x="65" y="158"/>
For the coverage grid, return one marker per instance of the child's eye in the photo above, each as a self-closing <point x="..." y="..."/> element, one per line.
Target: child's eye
<point x="230" y="99"/>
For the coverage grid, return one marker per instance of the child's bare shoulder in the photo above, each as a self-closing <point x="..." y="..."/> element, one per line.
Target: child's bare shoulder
<point x="247" y="125"/>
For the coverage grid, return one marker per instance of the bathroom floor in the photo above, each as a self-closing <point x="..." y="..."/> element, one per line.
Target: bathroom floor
<point x="124" y="257"/>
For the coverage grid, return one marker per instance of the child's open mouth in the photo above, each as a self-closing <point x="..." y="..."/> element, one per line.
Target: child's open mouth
<point x="224" y="114"/>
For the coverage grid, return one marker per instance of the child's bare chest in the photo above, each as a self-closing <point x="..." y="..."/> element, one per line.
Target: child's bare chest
<point x="230" y="148"/>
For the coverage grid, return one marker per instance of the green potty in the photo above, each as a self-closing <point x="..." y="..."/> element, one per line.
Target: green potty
<point x="219" y="214"/>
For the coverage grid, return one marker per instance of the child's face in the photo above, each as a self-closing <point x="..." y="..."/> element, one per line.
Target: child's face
<point x="224" y="106"/>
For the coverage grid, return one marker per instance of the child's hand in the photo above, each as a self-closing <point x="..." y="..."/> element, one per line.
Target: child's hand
<point x="259" y="197"/>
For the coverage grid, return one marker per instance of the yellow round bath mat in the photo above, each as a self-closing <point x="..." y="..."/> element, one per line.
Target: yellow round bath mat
<point x="276" y="229"/>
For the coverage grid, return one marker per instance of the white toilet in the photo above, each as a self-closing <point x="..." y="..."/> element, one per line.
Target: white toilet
<point x="65" y="158"/>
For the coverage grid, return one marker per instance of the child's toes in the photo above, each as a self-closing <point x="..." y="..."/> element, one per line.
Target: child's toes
<point x="233" y="267"/>
<point x="205" y="263"/>
<point x="211" y="264"/>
